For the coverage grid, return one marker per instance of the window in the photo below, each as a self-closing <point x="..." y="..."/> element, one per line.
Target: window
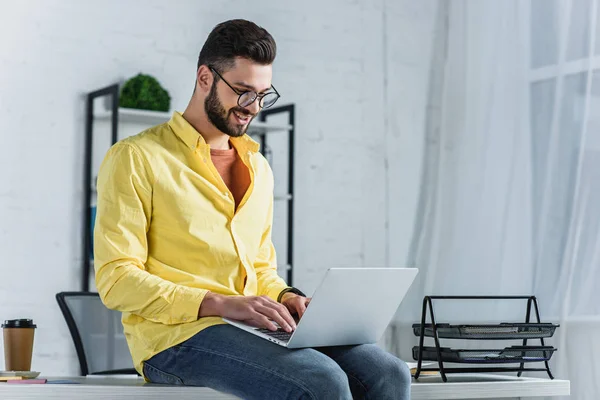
<point x="564" y="103"/>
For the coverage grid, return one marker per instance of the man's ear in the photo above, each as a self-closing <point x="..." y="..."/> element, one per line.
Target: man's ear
<point x="204" y="79"/>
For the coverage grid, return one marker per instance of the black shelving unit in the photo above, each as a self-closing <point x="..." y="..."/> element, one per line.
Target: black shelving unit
<point x="290" y="111"/>
<point x="112" y="93"/>
<point x="486" y="357"/>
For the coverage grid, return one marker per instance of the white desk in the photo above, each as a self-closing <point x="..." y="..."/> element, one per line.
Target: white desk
<point x="484" y="386"/>
<point x="459" y="386"/>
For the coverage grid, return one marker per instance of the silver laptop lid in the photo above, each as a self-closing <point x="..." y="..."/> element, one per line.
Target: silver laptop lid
<point x="352" y="306"/>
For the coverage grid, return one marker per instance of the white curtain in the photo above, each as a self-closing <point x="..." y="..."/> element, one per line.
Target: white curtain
<point x="510" y="199"/>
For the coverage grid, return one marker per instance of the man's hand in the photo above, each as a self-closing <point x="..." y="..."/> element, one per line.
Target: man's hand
<point x="258" y="311"/>
<point x="295" y="304"/>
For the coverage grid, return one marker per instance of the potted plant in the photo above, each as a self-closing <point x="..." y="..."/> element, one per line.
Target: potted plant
<point x="143" y="92"/>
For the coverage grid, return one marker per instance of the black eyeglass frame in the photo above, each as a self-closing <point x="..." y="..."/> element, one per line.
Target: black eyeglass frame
<point x="254" y="96"/>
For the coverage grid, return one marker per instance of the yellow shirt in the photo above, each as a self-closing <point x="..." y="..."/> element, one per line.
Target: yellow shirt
<point x="167" y="232"/>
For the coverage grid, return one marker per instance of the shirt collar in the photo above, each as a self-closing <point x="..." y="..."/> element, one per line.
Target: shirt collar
<point x="190" y="136"/>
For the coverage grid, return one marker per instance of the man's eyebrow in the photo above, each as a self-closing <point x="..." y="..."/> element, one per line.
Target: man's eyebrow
<point x="250" y="87"/>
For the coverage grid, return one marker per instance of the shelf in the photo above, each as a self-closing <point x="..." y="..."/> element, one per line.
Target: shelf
<point x="283" y="197"/>
<point x="139" y="116"/>
<point x="131" y="115"/>
<point x="257" y="127"/>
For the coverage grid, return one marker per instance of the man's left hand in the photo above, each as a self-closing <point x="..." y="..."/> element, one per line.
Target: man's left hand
<point x="295" y="304"/>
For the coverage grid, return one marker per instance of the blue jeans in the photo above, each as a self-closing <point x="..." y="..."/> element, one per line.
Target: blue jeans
<point x="233" y="361"/>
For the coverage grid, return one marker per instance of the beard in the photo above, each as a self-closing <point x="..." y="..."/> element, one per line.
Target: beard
<point x="219" y="117"/>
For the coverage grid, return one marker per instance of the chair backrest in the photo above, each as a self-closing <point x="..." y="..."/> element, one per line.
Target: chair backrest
<point x="97" y="333"/>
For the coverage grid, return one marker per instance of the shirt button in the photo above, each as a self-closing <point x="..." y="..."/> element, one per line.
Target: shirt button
<point x="185" y="319"/>
<point x="204" y="159"/>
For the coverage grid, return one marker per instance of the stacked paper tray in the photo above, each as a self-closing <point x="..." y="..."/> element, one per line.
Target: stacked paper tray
<point x="513" y="354"/>
<point x="501" y="331"/>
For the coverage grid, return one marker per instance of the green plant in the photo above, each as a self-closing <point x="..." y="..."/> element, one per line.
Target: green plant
<point x="145" y="93"/>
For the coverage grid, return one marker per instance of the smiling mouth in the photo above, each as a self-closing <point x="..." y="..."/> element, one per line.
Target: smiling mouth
<point x="242" y="119"/>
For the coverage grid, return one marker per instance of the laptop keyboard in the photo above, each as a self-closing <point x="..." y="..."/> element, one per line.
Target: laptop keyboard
<point x="279" y="334"/>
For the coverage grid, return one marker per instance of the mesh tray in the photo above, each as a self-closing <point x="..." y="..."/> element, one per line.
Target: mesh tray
<point x="513" y="354"/>
<point x="498" y="331"/>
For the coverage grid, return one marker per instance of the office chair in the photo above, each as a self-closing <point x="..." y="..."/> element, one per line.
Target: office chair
<point x="97" y="333"/>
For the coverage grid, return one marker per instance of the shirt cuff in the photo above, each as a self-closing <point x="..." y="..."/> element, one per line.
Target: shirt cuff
<point x="189" y="300"/>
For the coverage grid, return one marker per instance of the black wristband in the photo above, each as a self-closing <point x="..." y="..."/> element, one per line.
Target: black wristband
<point x="290" y="290"/>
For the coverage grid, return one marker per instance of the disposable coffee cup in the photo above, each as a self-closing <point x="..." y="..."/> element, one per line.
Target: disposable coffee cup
<point x="18" y="344"/>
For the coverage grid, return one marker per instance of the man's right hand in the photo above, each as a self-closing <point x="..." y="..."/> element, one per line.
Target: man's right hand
<point x="258" y="311"/>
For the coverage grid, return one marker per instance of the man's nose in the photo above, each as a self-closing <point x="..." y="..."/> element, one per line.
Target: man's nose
<point x="254" y="108"/>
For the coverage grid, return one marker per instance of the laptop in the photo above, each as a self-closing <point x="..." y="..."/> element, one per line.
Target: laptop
<point x="351" y="306"/>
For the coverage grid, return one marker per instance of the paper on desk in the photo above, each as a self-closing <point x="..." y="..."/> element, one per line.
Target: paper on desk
<point x="413" y="365"/>
<point x="413" y="368"/>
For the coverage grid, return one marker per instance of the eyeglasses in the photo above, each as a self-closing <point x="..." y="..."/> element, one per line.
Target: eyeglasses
<point x="265" y="100"/>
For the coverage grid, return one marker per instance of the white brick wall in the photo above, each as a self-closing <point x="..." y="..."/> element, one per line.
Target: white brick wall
<point x="360" y="128"/>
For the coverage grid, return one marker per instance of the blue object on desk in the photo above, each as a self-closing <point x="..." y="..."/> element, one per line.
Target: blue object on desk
<point x="63" y="382"/>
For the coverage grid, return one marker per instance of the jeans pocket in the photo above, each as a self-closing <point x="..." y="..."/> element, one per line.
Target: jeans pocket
<point x="155" y="375"/>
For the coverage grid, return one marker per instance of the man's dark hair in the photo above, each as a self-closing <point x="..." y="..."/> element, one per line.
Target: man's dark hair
<point x="237" y="38"/>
